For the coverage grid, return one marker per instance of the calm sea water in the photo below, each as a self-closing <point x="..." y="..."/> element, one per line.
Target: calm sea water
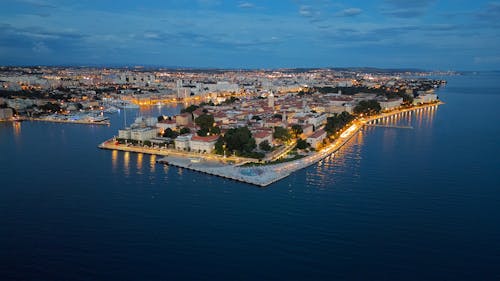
<point x="394" y="204"/>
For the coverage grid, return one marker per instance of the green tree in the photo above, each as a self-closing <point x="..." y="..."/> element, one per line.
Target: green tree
<point x="185" y="131"/>
<point x="169" y="133"/>
<point x="264" y="145"/>
<point x="239" y="140"/>
<point x="297" y="130"/>
<point x="337" y="122"/>
<point x="161" y="118"/>
<point x="190" y="108"/>
<point x="205" y="121"/>
<point x="215" y="130"/>
<point x="219" y="146"/>
<point x="367" y="107"/>
<point x="302" y="144"/>
<point x="281" y="134"/>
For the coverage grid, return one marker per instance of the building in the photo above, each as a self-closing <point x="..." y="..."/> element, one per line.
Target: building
<point x="261" y="136"/>
<point x="425" y="98"/>
<point x="316" y="138"/>
<point x="184" y="119"/>
<point x="125" y="133"/>
<point x="6" y="113"/>
<point x="203" y="144"/>
<point x="166" y="124"/>
<point x="143" y="134"/>
<point x="270" y="100"/>
<point x="391" y="103"/>
<point x="182" y="142"/>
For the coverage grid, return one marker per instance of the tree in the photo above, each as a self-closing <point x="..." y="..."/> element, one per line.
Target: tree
<point x="185" y="131"/>
<point x="302" y="144"/>
<point x="278" y="116"/>
<point x="297" y="130"/>
<point x="281" y="134"/>
<point x="219" y="146"/>
<point x="239" y="140"/>
<point x="161" y="118"/>
<point x="256" y="118"/>
<point x="337" y="122"/>
<point x="169" y="133"/>
<point x="367" y="107"/>
<point x="215" y="130"/>
<point x="190" y="108"/>
<point x="52" y="107"/>
<point x="264" y="145"/>
<point x="206" y="123"/>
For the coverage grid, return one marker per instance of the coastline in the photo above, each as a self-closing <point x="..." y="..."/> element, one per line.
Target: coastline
<point x="83" y="122"/>
<point x="263" y="175"/>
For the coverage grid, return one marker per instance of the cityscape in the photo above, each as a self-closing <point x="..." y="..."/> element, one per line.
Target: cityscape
<point x="249" y="140"/>
<point x="234" y="119"/>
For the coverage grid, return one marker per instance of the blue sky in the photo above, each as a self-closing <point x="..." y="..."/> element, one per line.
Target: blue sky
<point x="427" y="34"/>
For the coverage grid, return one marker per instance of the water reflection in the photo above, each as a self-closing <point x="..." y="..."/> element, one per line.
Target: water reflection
<point x="17" y="129"/>
<point x="152" y="163"/>
<point x="139" y="163"/>
<point x="126" y="163"/>
<point x="349" y="157"/>
<point x="114" y="159"/>
<point x="346" y="158"/>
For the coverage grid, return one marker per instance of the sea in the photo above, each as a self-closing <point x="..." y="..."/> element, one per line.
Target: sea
<point x="415" y="198"/>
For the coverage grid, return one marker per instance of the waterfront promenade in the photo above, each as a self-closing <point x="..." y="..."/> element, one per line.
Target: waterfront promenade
<point x="260" y="175"/>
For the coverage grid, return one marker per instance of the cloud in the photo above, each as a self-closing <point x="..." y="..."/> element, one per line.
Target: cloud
<point x="36" y="3"/>
<point x="40" y="48"/>
<point x="305" y="11"/>
<point x="487" y="60"/>
<point x="490" y="12"/>
<point x="406" y="8"/>
<point x="246" y="5"/>
<point x="350" y="12"/>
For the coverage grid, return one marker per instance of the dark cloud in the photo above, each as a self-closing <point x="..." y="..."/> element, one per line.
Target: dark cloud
<point x="490" y="12"/>
<point x="38" y="39"/>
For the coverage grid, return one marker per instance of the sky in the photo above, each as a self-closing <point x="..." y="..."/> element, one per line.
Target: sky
<point x="425" y="34"/>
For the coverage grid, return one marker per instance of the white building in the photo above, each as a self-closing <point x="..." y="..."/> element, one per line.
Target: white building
<point x="391" y="103"/>
<point x="316" y="138"/>
<point x="425" y="98"/>
<point x="125" y="133"/>
<point x="203" y="144"/>
<point x="143" y="134"/>
<point x="182" y="142"/>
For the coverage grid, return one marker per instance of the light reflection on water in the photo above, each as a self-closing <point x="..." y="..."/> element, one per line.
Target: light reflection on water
<point x="323" y="174"/>
<point x="126" y="163"/>
<point x="17" y="129"/>
<point x="114" y="159"/>
<point x="139" y="163"/>
<point x="152" y="163"/>
<point x="348" y="158"/>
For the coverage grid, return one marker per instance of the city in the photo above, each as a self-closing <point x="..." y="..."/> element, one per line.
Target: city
<point x="232" y="119"/>
<point x="295" y="140"/>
